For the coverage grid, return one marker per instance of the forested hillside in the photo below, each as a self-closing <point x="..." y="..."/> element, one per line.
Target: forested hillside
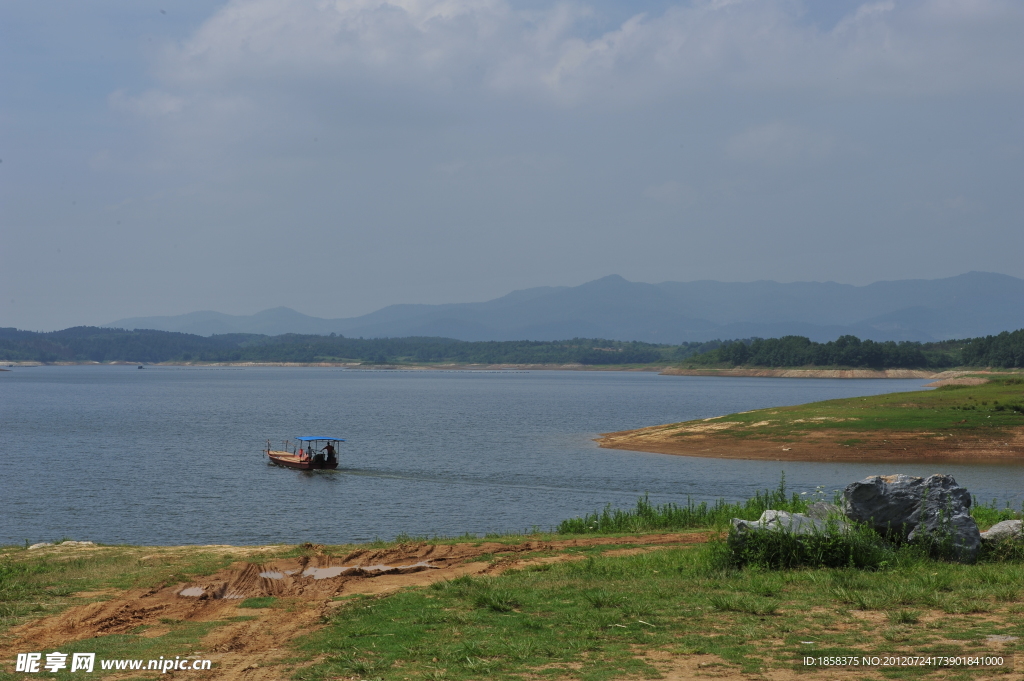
<point x="111" y="345"/>
<point x="1005" y="350"/>
<point x="95" y="344"/>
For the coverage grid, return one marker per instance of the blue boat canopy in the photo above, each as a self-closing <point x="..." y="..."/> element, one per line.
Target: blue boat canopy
<point x="319" y="437"/>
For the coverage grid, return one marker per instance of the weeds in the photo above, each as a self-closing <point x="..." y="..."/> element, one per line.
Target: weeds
<point x="258" y="602"/>
<point x="646" y="517"/>
<point x="904" y="616"/>
<point x="739" y="603"/>
<point x="497" y="600"/>
<point x="855" y="547"/>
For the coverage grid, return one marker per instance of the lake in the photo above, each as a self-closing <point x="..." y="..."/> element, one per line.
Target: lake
<point x="172" y="455"/>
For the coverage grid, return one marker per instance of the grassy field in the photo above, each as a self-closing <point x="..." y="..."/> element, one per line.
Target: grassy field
<point x="609" y="610"/>
<point x="636" y="616"/>
<point x="988" y="409"/>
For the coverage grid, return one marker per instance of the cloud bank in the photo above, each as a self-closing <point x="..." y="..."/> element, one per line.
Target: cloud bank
<point x="450" y="150"/>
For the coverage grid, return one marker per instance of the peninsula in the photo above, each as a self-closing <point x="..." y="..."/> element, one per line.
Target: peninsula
<point x="968" y="418"/>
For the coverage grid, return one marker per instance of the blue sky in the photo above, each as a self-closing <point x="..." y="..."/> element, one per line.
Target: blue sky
<point x="336" y="157"/>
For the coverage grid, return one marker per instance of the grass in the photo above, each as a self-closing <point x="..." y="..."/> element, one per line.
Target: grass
<point x="988" y="410"/>
<point x="258" y="602"/>
<point x="752" y="606"/>
<point x="856" y="548"/>
<point x="182" y="639"/>
<point x="604" y="617"/>
<point x="594" y="618"/>
<point x="34" y="584"/>
<point x="647" y="517"/>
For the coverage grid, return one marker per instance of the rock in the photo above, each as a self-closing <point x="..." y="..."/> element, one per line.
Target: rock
<point x="1000" y="638"/>
<point x="822" y="510"/>
<point x="770" y="520"/>
<point x="1004" y="531"/>
<point x="884" y="502"/>
<point x="63" y="543"/>
<point x="906" y="508"/>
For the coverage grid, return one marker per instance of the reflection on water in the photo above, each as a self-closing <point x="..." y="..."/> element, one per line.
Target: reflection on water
<point x="172" y="455"/>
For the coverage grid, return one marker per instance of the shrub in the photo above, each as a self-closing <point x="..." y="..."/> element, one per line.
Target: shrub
<point x="856" y="547"/>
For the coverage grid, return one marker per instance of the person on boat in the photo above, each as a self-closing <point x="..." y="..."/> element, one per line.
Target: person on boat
<point x="329" y="450"/>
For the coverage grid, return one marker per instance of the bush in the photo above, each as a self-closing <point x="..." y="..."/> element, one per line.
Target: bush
<point x="855" y="547"/>
<point x="1006" y="551"/>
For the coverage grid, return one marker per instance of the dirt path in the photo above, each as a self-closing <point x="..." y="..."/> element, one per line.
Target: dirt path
<point x="251" y="649"/>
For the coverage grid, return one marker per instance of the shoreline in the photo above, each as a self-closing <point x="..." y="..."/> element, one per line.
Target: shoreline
<point x="887" y="447"/>
<point x="804" y="373"/>
<point x="360" y="366"/>
<point x="946" y="377"/>
<point x="968" y="417"/>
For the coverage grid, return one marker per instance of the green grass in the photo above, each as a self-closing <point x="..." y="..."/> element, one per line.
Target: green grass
<point x="37" y="583"/>
<point x="647" y="517"/>
<point x="857" y="547"/>
<point x="988" y="410"/>
<point x="988" y="514"/>
<point x="601" y="617"/>
<point x="258" y="602"/>
<point x="593" y="618"/>
<point x="182" y="640"/>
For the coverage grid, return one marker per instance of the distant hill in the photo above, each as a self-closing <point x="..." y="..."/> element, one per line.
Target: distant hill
<point x="964" y="306"/>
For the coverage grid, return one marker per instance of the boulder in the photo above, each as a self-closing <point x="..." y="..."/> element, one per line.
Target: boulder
<point x="770" y="520"/>
<point x="822" y="510"/>
<point x="905" y="508"/>
<point x="1004" y="531"/>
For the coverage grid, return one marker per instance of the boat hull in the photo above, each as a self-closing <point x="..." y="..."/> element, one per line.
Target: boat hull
<point x="289" y="460"/>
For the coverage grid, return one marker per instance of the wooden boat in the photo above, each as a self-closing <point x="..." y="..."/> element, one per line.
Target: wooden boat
<point x="308" y="453"/>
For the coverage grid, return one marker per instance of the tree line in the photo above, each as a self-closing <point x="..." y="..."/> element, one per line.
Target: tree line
<point x="96" y="344"/>
<point x="1005" y="351"/>
<point x="848" y="351"/>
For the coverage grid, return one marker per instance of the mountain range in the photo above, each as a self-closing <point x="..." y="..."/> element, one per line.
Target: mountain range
<point x="967" y="305"/>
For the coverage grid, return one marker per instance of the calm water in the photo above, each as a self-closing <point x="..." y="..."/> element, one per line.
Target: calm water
<point x="171" y="455"/>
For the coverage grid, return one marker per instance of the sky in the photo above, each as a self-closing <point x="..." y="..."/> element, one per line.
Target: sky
<point x="336" y="156"/>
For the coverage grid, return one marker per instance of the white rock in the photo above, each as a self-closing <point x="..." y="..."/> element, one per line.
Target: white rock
<point x="1008" y="529"/>
<point x="773" y="521"/>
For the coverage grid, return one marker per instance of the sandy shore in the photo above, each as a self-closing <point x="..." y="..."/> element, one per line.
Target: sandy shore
<point x="802" y="373"/>
<point x="823" y="445"/>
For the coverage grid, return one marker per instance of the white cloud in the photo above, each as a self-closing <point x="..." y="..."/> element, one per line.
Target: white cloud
<point x="671" y="192"/>
<point x="487" y="48"/>
<point x="150" y="104"/>
<point x="778" y="143"/>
